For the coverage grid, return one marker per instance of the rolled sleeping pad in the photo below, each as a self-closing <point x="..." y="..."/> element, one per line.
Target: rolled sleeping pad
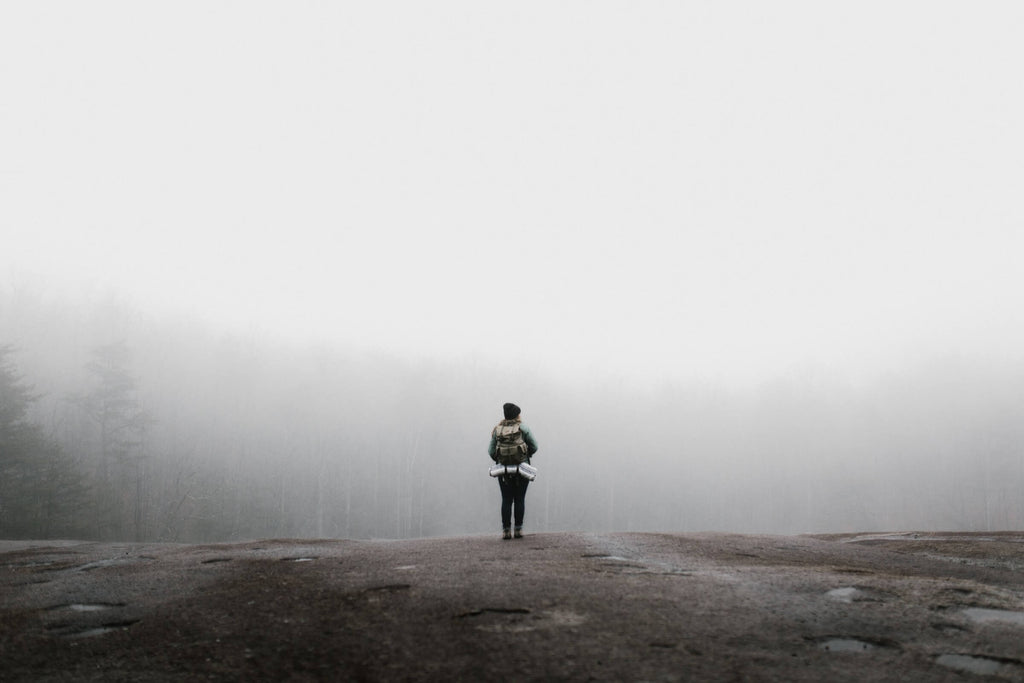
<point x="527" y="471"/>
<point x="524" y="470"/>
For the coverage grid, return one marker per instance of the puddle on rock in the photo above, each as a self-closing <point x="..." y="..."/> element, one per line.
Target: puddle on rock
<point x="97" y="607"/>
<point x="563" y="617"/>
<point x="521" y="620"/>
<point x="847" y="594"/>
<point x="982" y="615"/>
<point x="90" y="633"/>
<point x="985" y="666"/>
<point x="88" y="606"/>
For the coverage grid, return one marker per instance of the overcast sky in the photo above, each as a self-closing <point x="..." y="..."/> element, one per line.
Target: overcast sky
<point x="728" y="189"/>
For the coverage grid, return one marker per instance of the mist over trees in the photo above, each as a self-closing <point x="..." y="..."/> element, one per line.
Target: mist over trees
<point x="118" y="426"/>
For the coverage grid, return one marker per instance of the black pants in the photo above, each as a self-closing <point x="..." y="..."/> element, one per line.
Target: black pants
<point x="513" y="492"/>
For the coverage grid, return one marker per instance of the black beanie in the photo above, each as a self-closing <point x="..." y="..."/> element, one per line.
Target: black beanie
<point x="511" y="411"/>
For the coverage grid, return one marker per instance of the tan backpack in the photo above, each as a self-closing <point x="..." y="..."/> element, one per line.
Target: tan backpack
<point x="510" y="448"/>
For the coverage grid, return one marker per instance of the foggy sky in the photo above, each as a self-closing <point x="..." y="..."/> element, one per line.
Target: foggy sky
<point x="727" y="189"/>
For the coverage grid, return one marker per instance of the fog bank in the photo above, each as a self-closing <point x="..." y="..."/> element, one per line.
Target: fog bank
<point x="164" y="430"/>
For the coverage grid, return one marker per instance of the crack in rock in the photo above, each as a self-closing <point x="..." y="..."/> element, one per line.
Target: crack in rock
<point x="493" y="610"/>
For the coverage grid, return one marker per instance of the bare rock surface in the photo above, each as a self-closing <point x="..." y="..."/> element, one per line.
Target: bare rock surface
<point x="614" y="607"/>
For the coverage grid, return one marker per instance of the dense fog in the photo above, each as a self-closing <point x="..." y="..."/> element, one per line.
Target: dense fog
<point x="117" y="425"/>
<point x="272" y="269"/>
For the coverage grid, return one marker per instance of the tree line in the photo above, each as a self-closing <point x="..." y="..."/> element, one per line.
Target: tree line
<point x="116" y="426"/>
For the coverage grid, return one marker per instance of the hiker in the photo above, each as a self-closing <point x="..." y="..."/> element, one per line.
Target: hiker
<point x="512" y="443"/>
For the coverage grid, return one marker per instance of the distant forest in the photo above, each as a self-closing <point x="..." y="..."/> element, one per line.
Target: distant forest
<point x="118" y="426"/>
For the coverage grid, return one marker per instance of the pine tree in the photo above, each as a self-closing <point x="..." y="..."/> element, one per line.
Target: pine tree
<point x="41" y="490"/>
<point x="118" y="458"/>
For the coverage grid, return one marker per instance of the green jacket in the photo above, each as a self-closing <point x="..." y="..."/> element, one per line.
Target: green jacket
<point x="531" y="443"/>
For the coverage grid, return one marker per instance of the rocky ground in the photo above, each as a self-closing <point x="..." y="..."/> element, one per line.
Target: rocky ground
<point x="636" y="607"/>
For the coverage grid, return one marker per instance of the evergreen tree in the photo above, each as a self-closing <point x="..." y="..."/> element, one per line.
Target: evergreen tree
<point x="118" y="457"/>
<point x="41" y="490"/>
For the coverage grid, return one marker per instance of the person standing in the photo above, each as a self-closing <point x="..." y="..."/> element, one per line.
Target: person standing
<point x="512" y="443"/>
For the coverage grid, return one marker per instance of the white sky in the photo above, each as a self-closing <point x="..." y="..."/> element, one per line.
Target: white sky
<point x="724" y="188"/>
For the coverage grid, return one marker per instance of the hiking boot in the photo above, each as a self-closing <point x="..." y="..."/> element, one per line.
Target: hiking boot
<point x="506" y="535"/>
<point x="519" y="532"/>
